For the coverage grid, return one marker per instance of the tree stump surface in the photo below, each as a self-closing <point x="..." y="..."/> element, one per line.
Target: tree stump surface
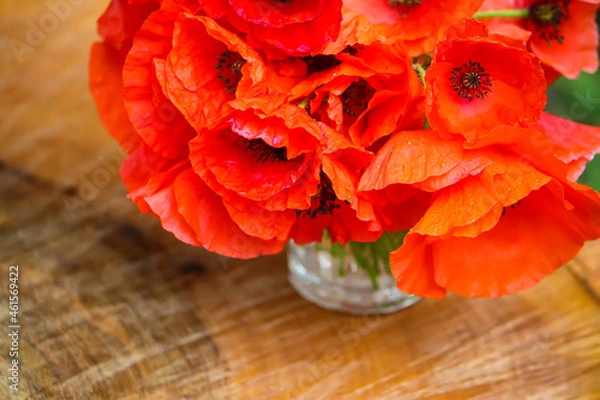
<point x="111" y="306"/>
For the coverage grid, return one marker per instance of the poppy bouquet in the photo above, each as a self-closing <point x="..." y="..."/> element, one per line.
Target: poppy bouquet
<point x="251" y="123"/>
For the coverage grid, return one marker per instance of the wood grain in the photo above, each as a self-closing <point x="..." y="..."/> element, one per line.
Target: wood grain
<point x="114" y="307"/>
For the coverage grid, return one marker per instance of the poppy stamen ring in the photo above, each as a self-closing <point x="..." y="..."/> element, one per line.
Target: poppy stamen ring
<point x="470" y="81"/>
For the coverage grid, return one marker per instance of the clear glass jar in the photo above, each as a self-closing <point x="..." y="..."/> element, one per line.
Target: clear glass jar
<point x="332" y="279"/>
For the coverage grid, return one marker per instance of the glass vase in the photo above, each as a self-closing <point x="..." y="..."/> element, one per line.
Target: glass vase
<point x="348" y="279"/>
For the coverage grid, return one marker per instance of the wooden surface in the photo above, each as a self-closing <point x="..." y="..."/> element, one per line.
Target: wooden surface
<point x="113" y="307"/>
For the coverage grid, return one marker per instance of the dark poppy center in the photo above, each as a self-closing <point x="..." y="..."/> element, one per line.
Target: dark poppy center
<point x="264" y="153"/>
<point x="547" y="16"/>
<point x="324" y="202"/>
<point x="403" y="5"/>
<point x="470" y="81"/>
<point x="229" y="64"/>
<point x="356" y="97"/>
<point x="353" y="50"/>
<point x="320" y="62"/>
<point x="282" y="2"/>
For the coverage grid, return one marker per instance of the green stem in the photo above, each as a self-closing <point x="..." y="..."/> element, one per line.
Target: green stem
<point x="371" y="257"/>
<point x="375" y="272"/>
<point x="338" y="251"/>
<point x="421" y="72"/>
<point x="519" y="13"/>
<point x="365" y="262"/>
<point x="304" y="103"/>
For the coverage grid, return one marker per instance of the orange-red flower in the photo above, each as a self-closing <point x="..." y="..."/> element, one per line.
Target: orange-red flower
<point x="562" y="33"/>
<point x="187" y="207"/>
<point x="364" y="92"/>
<point x="281" y="27"/>
<point x="265" y="159"/>
<point x="419" y="24"/>
<point x="495" y="233"/>
<point x="202" y="72"/>
<point x="478" y="81"/>
<point x="408" y="168"/>
<point x="238" y="192"/>
<point x="329" y="212"/>
<point x="489" y="201"/>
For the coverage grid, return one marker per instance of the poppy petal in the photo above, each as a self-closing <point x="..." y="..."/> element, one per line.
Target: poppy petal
<point x="412" y="266"/>
<point x="205" y="213"/>
<point x="153" y="115"/>
<point x="501" y="184"/>
<point x="574" y="143"/>
<point x="528" y="243"/>
<point x="106" y="86"/>
<point x="409" y="157"/>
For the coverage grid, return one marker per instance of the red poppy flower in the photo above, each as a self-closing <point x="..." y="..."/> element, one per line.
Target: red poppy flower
<point x="270" y="177"/>
<point x="329" y="212"/>
<point x="562" y="33"/>
<point x="478" y="81"/>
<point x="281" y="27"/>
<point x="409" y="166"/>
<point x="334" y="206"/>
<point x="202" y="72"/>
<point x="158" y="171"/>
<point x="188" y="208"/>
<point x="219" y="220"/>
<point x="419" y="24"/>
<point x="472" y="194"/>
<point x="261" y="158"/>
<point x="364" y="92"/>
<point x="496" y="233"/>
<point x="575" y="31"/>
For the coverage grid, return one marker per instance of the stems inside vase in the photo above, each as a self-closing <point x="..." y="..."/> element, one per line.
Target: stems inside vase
<point x="372" y="257"/>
